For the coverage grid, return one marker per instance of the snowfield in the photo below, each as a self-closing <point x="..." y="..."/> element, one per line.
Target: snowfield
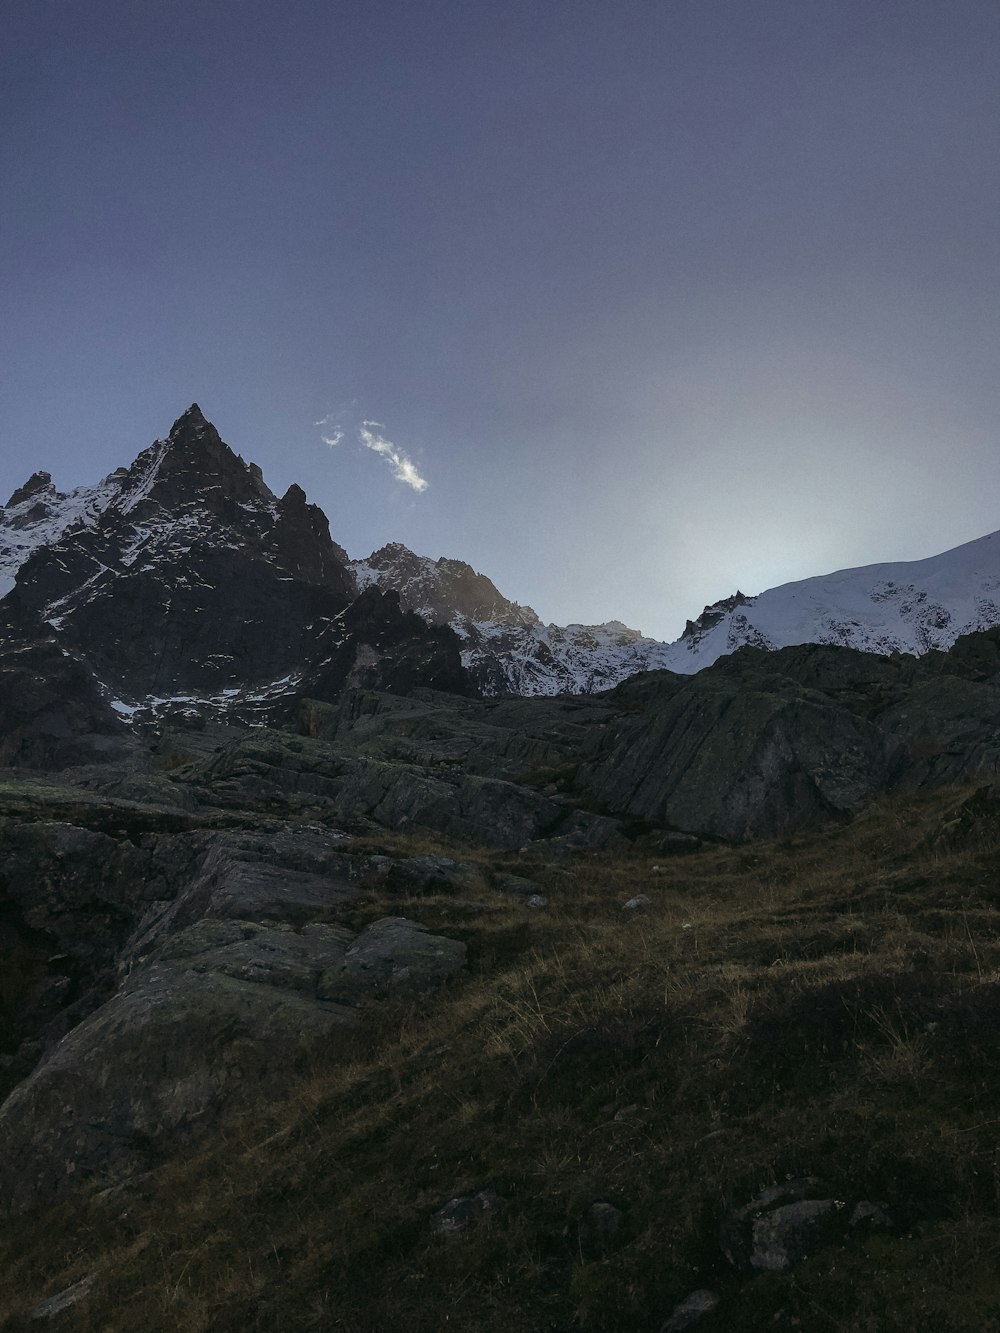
<point x="906" y="607"/>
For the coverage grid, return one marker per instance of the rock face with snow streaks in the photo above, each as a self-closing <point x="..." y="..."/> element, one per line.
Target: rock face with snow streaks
<point x="180" y="579"/>
<point x="905" y="607"/>
<point x="184" y="583"/>
<point x="505" y="647"/>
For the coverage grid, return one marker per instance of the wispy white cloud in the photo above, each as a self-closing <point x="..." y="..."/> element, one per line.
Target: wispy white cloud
<point x="334" y="426"/>
<point x="403" y="468"/>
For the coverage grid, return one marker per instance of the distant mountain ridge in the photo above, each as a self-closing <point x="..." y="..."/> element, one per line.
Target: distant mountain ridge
<point x="903" y="606"/>
<point x="505" y="647"/>
<point x="182" y="583"/>
<point x="909" y="606"/>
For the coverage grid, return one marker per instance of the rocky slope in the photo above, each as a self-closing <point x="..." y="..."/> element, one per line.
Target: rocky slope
<point x="253" y="818"/>
<point x="184" y="922"/>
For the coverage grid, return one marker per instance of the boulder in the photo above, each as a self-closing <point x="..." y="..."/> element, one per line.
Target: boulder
<point x="783" y="1236"/>
<point x="690" y="1310"/>
<point x="152" y="1069"/>
<point x="392" y="955"/>
<point x="465" y="1211"/>
<point x="784" y="1224"/>
<point x="432" y="874"/>
<point x="62" y="1300"/>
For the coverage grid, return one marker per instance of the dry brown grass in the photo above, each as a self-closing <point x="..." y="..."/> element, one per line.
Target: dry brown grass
<point x="821" y="1005"/>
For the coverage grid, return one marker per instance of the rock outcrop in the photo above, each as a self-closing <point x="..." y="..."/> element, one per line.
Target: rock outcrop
<point x="162" y="986"/>
<point x="763" y="742"/>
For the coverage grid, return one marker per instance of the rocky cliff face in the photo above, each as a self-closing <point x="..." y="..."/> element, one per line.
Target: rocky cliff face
<point x="182" y="584"/>
<point x="505" y="647"/>
<point x="186" y="575"/>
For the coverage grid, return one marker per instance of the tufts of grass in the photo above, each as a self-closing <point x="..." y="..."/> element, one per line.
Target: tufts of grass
<point x="822" y="1005"/>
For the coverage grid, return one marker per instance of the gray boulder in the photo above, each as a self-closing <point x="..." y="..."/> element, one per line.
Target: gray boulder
<point x="393" y="954"/>
<point x="432" y="874"/>
<point x="150" y="1070"/>
<point x="688" y="1312"/>
<point x="784" y="1224"/>
<point x="465" y="1211"/>
<point x="783" y="1236"/>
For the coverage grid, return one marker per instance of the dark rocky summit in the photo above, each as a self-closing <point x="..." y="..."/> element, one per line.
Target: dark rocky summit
<point x="712" y="615"/>
<point x="38" y="488"/>
<point x="183" y="584"/>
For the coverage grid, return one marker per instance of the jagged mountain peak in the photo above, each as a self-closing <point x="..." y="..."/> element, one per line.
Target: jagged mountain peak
<point x="505" y="647"/>
<point x="184" y="588"/>
<point x="39" y="483"/>
<point x="713" y="613"/>
<point x="180" y="572"/>
<point x="193" y="462"/>
<point x="443" y="590"/>
<point x="193" y="419"/>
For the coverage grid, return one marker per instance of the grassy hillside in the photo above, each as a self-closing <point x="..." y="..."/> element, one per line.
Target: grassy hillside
<point x="821" y="1006"/>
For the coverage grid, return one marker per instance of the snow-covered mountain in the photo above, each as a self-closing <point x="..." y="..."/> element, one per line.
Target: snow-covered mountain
<point x="505" y="647"/>
<point x="907" y="607"/>
<point x="183" y="580"/>
<point x="38" y="515"/>
<point x="901" y="607"/>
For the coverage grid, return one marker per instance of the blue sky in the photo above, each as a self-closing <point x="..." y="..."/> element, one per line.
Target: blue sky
<point x="659" y="299"/>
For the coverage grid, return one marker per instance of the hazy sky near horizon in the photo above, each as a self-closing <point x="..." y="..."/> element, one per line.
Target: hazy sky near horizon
<point x="625" y="302"/>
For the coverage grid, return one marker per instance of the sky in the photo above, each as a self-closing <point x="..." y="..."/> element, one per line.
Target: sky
<point x="627" y="303"/>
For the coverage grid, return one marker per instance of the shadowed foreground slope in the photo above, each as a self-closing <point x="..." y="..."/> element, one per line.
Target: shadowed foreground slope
<point x="609" y="1090"/>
